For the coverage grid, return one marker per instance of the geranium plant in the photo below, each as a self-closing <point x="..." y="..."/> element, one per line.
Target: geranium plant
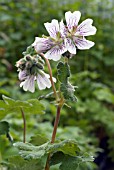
<point x="61" y="45"/>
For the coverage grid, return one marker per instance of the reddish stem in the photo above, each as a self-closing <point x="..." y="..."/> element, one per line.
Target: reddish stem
<point x="56" y="124"/>
<point x="54" y="133"/>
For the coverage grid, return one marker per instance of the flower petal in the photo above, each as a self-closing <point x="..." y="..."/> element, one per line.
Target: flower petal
<point x="56" y="52"/>
<point x="52" y="28"/>
<point x="86" y="28"/>
<point x="40" y="83"/>
<point x="83" y="44"/>
<point x="22" y="75"/>
<point x="42" y="44"/>
<point x="70" y="46"/>
<point x="63" y="29"/>
<point x="48" y="76"/>
<point x="72" y="19"/>
<point x="28" y="84"/>
<point x="43" y="81"/>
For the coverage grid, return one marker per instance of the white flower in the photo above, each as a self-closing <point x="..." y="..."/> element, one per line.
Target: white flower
<point x="28" y="81"/>
<point x="28" y="84"/>
<point x="75" y="34"/>
<point x="53" y="46"/>
<point x="42" y="44"/>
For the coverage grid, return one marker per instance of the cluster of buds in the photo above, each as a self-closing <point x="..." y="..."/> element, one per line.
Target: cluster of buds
<point x="30" y="70"/>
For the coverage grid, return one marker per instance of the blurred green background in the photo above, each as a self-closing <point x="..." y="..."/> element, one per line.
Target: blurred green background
<point x="91" y="119"/>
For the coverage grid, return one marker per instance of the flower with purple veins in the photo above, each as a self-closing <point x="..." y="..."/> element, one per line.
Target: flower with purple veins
<point x="42" y="79"/>
<point x="53" y="46"/>
<point x="31" y="72"/>
<point x="75" y="34"/>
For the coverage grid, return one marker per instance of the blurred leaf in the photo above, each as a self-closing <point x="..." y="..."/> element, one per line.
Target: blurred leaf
<point x="4" y="127"/>
<point x="9" y="106"/>
<point x="104" y="95"/>
<point x="18" y="163"/>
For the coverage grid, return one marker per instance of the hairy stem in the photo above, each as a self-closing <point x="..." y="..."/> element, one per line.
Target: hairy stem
<point x="56" y="124"/>
<point x="51" y="79"/>
<point x="24" y="125"/>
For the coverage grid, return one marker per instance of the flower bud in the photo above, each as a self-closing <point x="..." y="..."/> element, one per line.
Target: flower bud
<point x="41" y="60"/>
<point x="28" y="65"/>
<point x="39" y="66"/>
<point x="28" y="58"/>
<point x="33" y="70"/>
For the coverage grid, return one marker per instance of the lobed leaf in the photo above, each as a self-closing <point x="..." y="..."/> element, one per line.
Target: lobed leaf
<point x="63" y="72"/>
<point x="65" y="87"/>
<point x="8" y="105"/>
<point x="29" y="151"/>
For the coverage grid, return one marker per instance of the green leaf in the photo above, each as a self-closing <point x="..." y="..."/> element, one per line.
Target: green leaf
<point x="4" y="127"/>
<point x="104" y="94"/>
<point x="29" y="151"/>
<point x="65" y="87"/>
<point x="8" y="105"/>
<point x="69" y="147"/>
<point x="18" y="163"/>
<point x="69" y="162"/>
<point x="29" y="51"/>
<point x="68" y="92"/>
<point x="38" y="140"/>
<point x="63" y="72"/>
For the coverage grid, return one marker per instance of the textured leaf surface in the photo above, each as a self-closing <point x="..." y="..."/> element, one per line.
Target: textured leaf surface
<point x="29" y="151"/>
<point x="38" y="140"/>
<point x="68" y="92"/>
<point x="69" y="162"/>
<point x="65" y="87"/>
<point x="63" y="72"/>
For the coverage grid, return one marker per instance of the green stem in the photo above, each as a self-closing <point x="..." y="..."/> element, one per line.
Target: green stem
<point x="24" y="126"/>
